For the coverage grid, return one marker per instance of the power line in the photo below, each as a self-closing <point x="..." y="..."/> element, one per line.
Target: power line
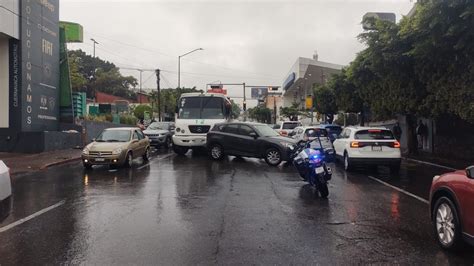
<point x="175" y="56"/>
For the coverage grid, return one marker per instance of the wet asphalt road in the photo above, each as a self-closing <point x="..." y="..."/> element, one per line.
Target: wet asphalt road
<point x="190" y="210"/>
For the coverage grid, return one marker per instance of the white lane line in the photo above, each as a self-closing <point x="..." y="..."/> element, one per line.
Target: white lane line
<point x="400" y="190"/>
<point x="432" y="164"/>
<point x="154" y="159"/>
<point x="34" y="215"/>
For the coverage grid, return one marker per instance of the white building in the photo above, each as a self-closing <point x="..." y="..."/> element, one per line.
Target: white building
<point x="305" y="73"/>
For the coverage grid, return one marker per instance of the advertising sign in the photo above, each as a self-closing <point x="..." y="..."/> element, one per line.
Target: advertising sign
<point x="39" y="65"/>
<point x="257" y="93"/>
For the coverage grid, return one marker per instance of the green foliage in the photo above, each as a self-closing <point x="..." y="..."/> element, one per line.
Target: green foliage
<point x="168" y="100"/>
<point x="422" y="66"/>
<point x="128" y="120"/>
<point x="140" y="110"/>
<point x="292" y="112"/>
<point x="260" y="114"/>
<point x="89" y="74"/>
<point x="235" y="113"/>
<point x="324" y="100"/>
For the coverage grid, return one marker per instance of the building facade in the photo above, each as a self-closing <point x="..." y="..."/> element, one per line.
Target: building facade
<point x="29" y="74"/>
<point x="304" y="74"/>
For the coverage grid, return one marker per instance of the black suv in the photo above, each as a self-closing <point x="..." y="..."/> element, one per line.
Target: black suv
<point x="248" y="140"/>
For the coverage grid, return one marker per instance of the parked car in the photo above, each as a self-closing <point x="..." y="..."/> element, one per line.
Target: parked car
<point x="5" y="190"/>
<point x="452" y="208"/>
<point x="333" y="130"/>
<point x="116" y="146"/>
<point x="286" y="128"/>
<point x="160" y="133"/>
<point x="248" y="140"/>
<point x="368" y="146"/>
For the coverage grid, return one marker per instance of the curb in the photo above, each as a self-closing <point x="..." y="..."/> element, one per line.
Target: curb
<point x="60" y="162"/>
<point x="432" y="164"/>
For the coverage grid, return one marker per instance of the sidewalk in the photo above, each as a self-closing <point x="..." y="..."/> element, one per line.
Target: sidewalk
<point x="441" y="161"/>
<point x="21" y="163"/>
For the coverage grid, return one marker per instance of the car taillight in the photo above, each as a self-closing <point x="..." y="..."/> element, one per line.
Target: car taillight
<point x="355" y="144"/>
<point x="283" y="133"/>
<point x="396" y="144"/>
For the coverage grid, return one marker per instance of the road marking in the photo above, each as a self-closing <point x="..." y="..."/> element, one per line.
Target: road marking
<point x="34" y="215"/>
<point x="432" y="164"/>
<point x="400" y="190"/>
<point x="154" y="159"/>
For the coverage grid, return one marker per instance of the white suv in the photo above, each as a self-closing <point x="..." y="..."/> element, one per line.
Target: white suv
<point x="368" y="146"/>
<point x="5" y="190"/>
<point x="286" y="128"/>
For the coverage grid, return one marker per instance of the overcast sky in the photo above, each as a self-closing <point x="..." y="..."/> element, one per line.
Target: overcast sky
<point x="255" y="42"/>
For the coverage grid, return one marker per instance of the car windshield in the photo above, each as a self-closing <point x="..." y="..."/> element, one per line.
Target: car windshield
<point x="114" y="136"/>
<point x="374" y="134"/>
<point x="316" y="132"/>
<point x="290" y="125"/>
<point x="266" y="131"/>
<point x="158" y="126"/>
<point x="201" y="108"/>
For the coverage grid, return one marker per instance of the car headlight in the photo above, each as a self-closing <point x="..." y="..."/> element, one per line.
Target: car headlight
<point x="117" y="151"/>
<point x="288" y="145"/>
<point x="178" y="129"/>
<point x="85" y="151"/>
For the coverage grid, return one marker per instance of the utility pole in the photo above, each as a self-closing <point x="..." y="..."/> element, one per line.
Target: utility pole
<point x="94" y="43"/>
<point x="245" y="104"/>
<point x="140" y="94"/>
<point x="157" y="72"/>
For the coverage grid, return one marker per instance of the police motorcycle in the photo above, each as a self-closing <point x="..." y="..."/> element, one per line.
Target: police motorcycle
<point x="310" y="161"/>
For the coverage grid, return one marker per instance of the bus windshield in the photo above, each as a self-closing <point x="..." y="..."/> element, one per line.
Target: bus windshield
<point x="201" y="108"/>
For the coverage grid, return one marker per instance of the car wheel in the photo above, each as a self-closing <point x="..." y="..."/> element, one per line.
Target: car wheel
<point x="128" y="160"/>
<point x="88" y="166"/>
<point x="446" y="224"/>
<point x="146" y="155"/>
<point x="216" y="152"/>
<point x="273" y="157"/>
<point x="347" y="162"/>
<point x="180" y="150"/>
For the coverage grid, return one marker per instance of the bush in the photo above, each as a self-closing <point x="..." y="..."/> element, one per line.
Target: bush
<point x="140" y="110"/>
<point x="128" y="120"/>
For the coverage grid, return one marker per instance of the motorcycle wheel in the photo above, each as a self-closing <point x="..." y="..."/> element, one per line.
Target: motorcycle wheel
<point x="323" y="190"/>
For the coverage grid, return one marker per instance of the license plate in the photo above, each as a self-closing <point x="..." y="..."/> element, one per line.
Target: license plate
<point x="319" y="170"/>
<point x="100" y="159"/>
<point x="376" y="148"/>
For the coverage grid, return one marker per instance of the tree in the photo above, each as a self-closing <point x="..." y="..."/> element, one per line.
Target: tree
<point x="292" y="112"/>
<point x="140" y="110"/>
<point x="325" y="101"/>
<point x="235" y="112"/>
<point x="90" y="74"/>
<point x="261" y="114"/>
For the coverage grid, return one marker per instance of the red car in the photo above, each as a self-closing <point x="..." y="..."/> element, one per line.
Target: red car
<point x="452" y="207"/>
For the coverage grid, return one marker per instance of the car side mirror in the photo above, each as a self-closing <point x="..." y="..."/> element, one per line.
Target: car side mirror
<point x="470" y="172"/>
<point x="253" y="135"/>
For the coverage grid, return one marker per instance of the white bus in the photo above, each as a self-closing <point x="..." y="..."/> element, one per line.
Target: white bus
<point x="196" y="114"/>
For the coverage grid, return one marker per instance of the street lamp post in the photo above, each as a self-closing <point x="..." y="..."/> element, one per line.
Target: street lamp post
<point x="179" y="64"/>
